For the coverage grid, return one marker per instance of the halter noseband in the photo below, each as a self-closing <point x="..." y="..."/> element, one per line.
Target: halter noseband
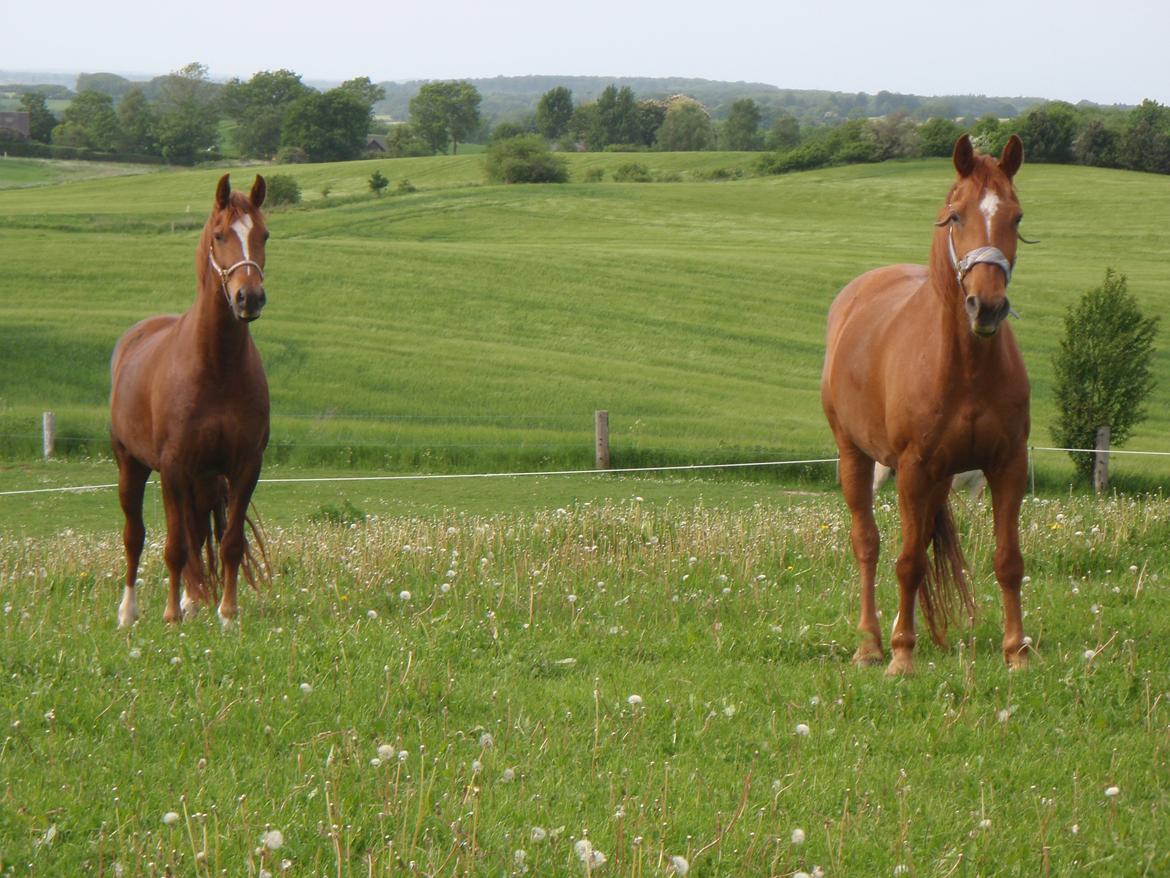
<point x="986" y="255"/>
<point x="225" y="273"/>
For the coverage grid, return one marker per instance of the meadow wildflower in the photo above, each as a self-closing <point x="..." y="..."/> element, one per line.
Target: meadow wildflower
<point x="386" y="752"/>
<point x="798" y="836"/>
<point x="678" y="866"/>
<point x="802" y="729"/>
<point x="539" y="834"/>
<point x="1112" y="792"/>
<point x="634" y="701"/>
<point x="170" y="818"/>
<point x="306" y="688"/>
<point x="273" y="839"/>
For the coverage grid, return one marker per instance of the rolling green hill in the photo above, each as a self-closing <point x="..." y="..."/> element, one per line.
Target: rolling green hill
<point x="470" y="327"/>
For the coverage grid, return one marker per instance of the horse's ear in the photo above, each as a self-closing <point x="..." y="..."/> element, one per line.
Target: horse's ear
<point x="1013" y="156"/>
<point x="259" y="188"/>
<point x="223" y="192"/>
<point x="964" y="156"/>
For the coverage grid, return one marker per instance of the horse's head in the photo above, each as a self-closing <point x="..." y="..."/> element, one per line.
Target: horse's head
<point x="234" y="243"/>
<point x="981" y="222"/>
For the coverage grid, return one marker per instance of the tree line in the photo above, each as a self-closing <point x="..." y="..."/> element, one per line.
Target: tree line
<point x="184" y="117"/>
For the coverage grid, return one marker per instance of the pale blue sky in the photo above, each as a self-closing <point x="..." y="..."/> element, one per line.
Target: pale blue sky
<point x="1105" y="52"/>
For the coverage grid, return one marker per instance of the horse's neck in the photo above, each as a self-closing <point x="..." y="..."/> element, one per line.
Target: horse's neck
<point x="221" y="339"/>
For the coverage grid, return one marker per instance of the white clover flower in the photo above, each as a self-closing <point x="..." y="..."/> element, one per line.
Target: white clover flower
<point x="135" y="653"/>
<point x="678" y="866"/>
<point x="273" y="839"/>
<point x="798" y="836"/>
<point x="170" y="818"/>
<point x="985" y="823"/>
<point x="1004" y="715"/>
<point x="802" y="729"/>
<point x="729" y="711"/>
<point x="634" y="701"/>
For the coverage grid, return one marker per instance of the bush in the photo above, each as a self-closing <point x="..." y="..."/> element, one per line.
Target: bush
<point x="283" y="189"/>
<point x="1102" y="369"/>
<point x="632" y="172"/>
<point x="524" y="159"/>
<point x="292" y="155"/>
<point x="405" y="187"/>
<point x="594" y="175"/>
<point x="804" y="158"/>
<point x="378" y="182"/>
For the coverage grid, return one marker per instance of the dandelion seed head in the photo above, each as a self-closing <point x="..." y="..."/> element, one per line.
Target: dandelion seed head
<point x="170" y="818"/>
<point x="678" y="866"/>
<point x="539" y="834"/>
<point x="1112" y="792"/>
<point x="802" y="729"/>
<point x="634" y="700"/>
<point x="273" y="839"/>
<point x="386" y="752"/>
<point x="798" y="836"/>
<point x="404" y="595"/>
<point x="306" y="688"/>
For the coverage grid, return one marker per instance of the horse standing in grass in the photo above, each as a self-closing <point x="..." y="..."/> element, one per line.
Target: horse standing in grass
<point x="922" y="374"/>
<point x="189" y="400"/>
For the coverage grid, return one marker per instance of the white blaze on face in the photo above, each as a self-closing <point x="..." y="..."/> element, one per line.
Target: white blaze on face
<point x="988" y="206"/>
<point x="243" y="227"/>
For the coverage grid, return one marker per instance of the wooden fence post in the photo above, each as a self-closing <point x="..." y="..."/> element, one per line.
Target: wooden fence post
<point x="48" y="433"/>
<point x="1101" y="461"/>
<point x="601" y="432"/>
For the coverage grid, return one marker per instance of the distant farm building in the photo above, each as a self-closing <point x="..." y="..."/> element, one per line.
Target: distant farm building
<point x="14" y="124"/>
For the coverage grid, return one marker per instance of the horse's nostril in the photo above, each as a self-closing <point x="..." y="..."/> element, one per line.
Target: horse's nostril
<point x="240" y="297"/>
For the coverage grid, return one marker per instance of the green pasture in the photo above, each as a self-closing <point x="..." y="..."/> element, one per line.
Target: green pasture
<point x="463" y="694"/>
<point x="468" y="327"/>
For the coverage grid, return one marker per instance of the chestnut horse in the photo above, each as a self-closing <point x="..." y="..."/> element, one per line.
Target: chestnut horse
<point x="922" y="374"/>
<point x="189" y="399"/>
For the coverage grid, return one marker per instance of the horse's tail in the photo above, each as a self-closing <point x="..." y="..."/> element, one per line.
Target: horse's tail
<point x="945" y="588"/>
<point x="255" y="566"/>
<point x="205" y="527"/>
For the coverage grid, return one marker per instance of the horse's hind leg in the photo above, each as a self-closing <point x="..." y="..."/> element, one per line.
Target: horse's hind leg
<point x="132" y="477"/>
<point x="176" y="496"/>
<point x="857" y="472"/>
<point x="234" y="543"/>
<point x="1007" y="492"/>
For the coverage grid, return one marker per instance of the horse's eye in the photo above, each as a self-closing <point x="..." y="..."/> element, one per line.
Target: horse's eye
<point x="1019" y="219"/>
<point x="953" y="218"/>
<point x="219" y="237"/>
<point x="266" y="237"/>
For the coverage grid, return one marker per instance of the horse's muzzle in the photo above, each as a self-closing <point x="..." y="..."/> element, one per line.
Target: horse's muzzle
<point x="247" y="304"/>
<point x="986" y="317"/>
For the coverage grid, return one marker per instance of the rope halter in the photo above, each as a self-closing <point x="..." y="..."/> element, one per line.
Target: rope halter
<point x="225" y="273"/>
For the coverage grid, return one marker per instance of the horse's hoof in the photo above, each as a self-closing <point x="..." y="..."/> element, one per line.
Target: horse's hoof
<point x="1018" y="660"/>
<point x="227" y="623"/>
<point x="125" y="620"/>
<point x="188" y="607"/>
<point x="868" y="655"/>
<point x="900" y="667"/>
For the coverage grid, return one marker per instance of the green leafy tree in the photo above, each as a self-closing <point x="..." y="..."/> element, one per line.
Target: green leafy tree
<point x="188" y="119"/>
<point x="1145" y="145"/>
<point x="649" y="115"/>
<point x="1102" y="369"/>
<point x="282" y="189"/>
<point x="93" y="113"/>
<point x="1096" y="145"/>
<point x="365" y="91"/>
<point x="330" y="127"/>
<point x="524" y="159"/>
<point x="1049" y="131"/>
<point x="989" y="135"/>
<point x="686" y="128"/>
<point x="554" y="111"/>
<point x="259" y="107"/>
<point x="41" y="120"/>
<point x="615" y="119"/>
<point x="403" y="140"/>
<point x="893" y="136"/>
<point x="136" y="123"/>
<point x="741" y="130"/>
<point x="784" y="133"/>
<point x="445" y="112"/>
<point x="937" y="136"/>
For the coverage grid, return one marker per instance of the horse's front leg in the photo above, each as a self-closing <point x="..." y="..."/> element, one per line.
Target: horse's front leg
<point x="1007" y="485"/>
<point x="234" y="543"/>
<point x="132" y="477"/>
<point x="918" y="499"/>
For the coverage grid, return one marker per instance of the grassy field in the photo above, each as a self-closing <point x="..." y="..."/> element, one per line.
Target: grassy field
<point x="529" y="676"/>
<point x="470" y="327"/>
<point x="455" y="694"/>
